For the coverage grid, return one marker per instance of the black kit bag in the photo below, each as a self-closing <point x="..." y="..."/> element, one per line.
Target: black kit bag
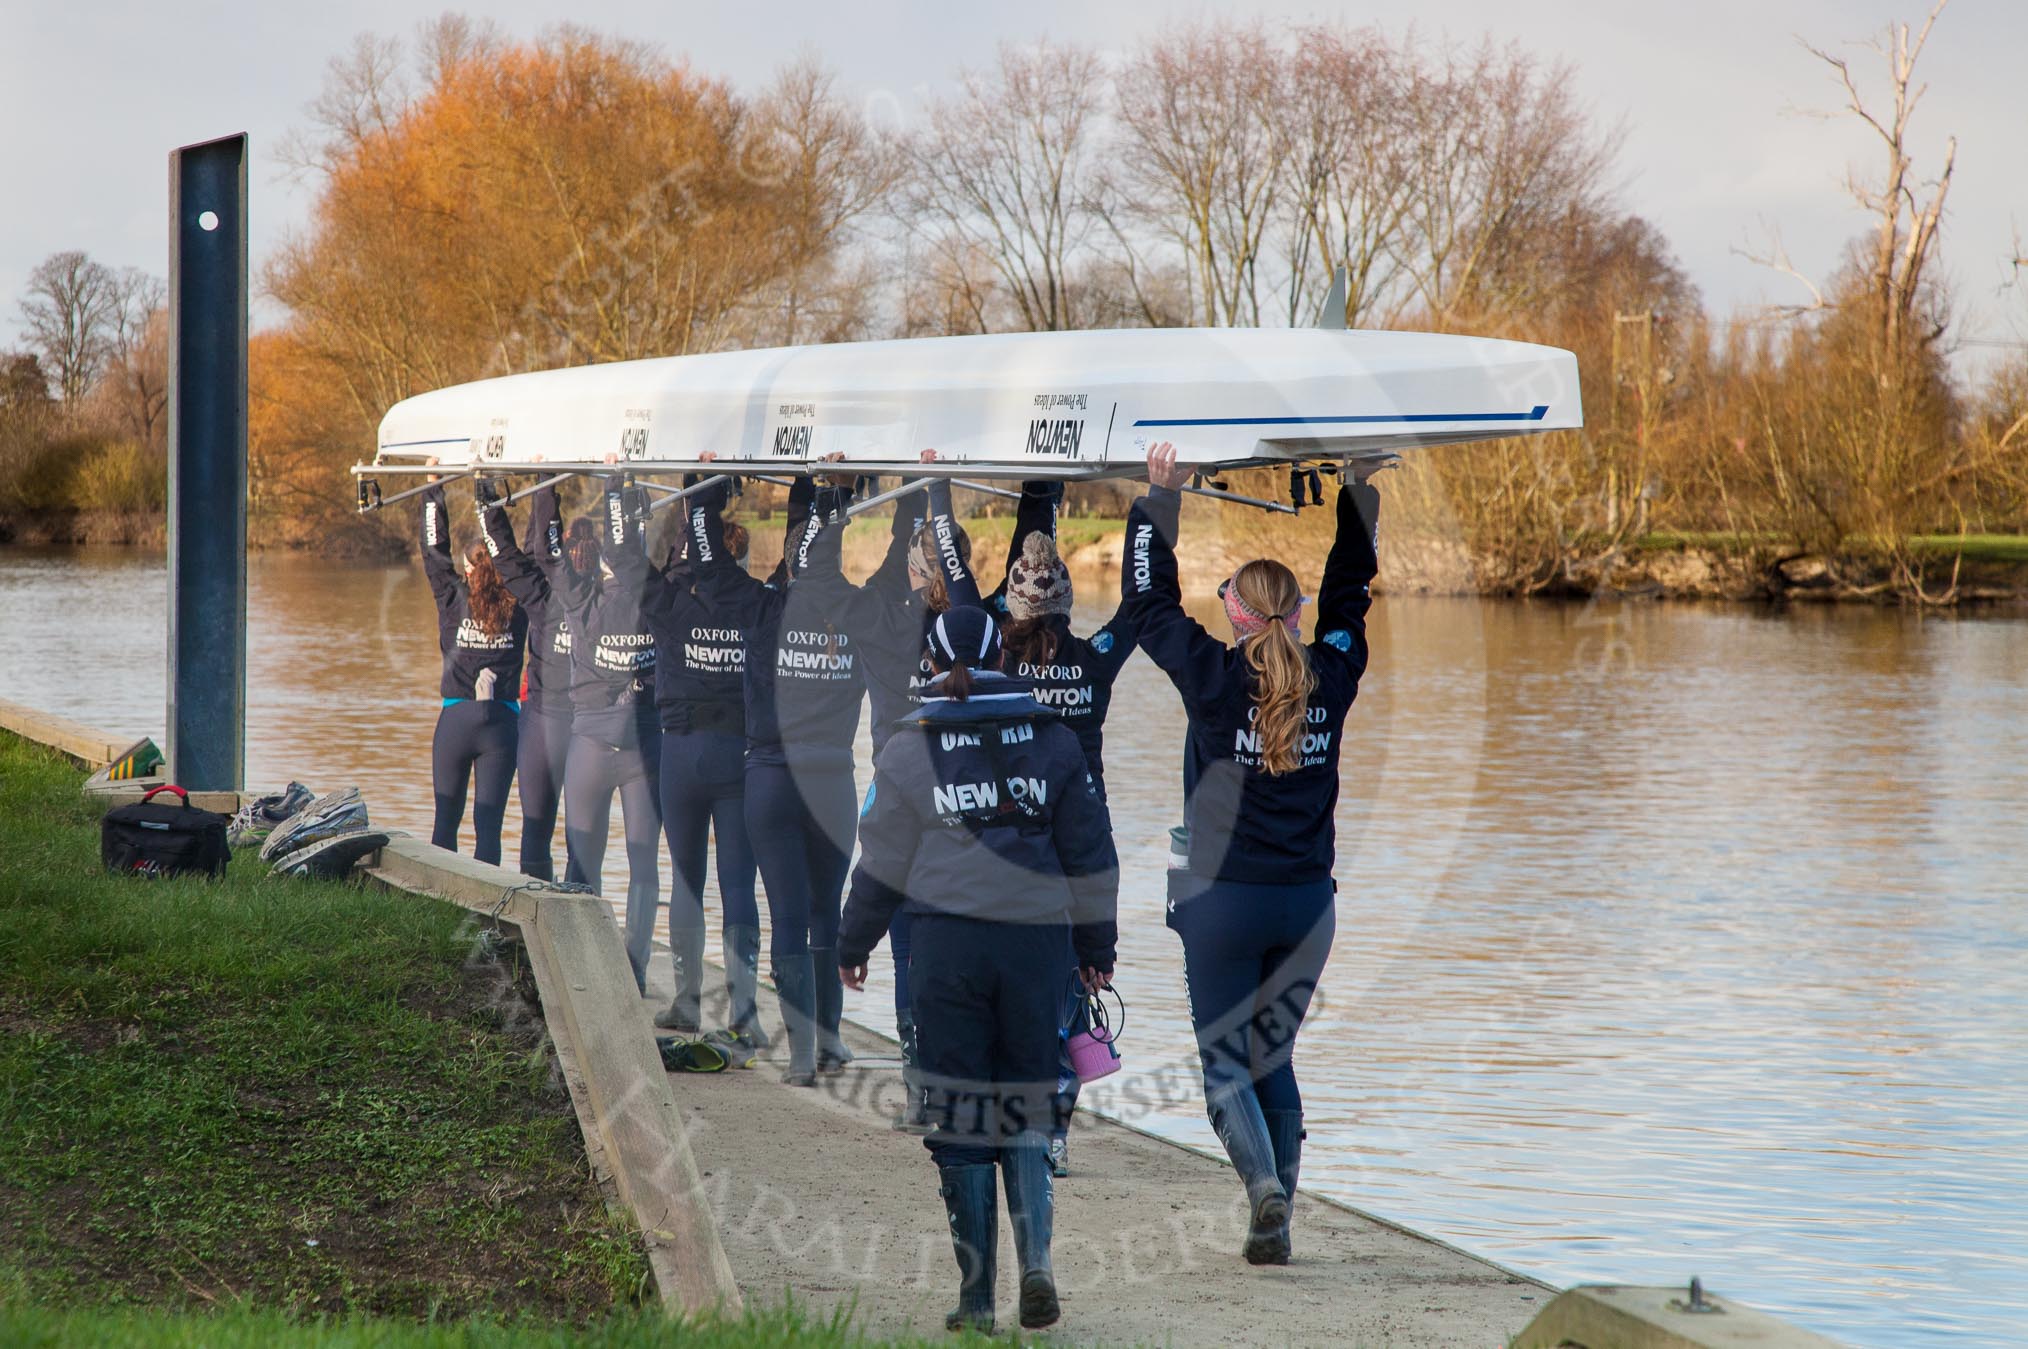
<point x="146" y="839"/>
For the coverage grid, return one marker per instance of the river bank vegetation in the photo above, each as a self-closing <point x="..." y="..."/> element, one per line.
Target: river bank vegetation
<point x="486" y="205"/>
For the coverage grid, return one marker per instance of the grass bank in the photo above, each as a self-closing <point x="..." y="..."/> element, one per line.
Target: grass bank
<point x="39" y="1328"/>
<point x="305" y="1097"/>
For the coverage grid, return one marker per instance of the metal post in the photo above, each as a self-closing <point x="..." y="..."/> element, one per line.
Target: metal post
<point x="207" y="465"/>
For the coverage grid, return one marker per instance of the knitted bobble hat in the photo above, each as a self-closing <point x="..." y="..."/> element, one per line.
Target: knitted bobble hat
<point x="1038" y="583"/>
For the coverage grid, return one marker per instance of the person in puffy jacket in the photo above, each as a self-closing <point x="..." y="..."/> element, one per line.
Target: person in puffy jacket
<point x="985" y="825"/>
<point x="1255" y="905"/>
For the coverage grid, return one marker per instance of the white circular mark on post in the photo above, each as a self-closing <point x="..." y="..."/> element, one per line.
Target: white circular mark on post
<point x="207" y="221"/>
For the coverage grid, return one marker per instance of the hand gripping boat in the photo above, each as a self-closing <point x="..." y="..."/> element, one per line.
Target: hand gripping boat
<point x="1074" y="405"/>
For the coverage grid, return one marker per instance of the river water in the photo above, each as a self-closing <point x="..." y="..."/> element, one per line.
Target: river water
<point x="1672" y="940"/>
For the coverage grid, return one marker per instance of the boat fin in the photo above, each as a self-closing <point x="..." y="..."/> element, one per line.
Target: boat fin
<point x="1334" y="303"/>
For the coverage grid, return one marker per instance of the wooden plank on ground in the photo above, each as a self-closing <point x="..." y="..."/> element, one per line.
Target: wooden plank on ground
<point x="88" y="745"/>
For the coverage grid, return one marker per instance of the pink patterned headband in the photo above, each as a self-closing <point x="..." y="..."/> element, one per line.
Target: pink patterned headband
<point x="1246" y="622"/>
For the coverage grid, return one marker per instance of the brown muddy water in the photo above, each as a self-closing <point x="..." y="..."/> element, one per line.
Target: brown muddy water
<point x="1672" y="940"/>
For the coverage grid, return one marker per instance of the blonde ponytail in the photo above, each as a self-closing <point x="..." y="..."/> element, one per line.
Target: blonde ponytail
<point x="1282" y="678"/>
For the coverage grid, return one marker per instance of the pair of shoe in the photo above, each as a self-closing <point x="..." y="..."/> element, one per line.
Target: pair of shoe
<point x="1059" y="1157"/>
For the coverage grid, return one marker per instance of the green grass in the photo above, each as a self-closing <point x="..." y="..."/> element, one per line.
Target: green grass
<point x="308" y="1097"/>
<point x="239" y="1328"/>
<point x="1997" y="548"/>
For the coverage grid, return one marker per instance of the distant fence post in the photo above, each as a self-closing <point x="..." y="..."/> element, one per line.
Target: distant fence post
<point x="207" y="465"/>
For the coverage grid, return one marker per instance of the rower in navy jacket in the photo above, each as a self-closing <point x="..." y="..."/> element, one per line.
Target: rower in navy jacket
<point x="926" y="572"/>
<point x="480" y="630"/>
<point x="545" y="705"/>
<point x="700" y="658"/>
<point x="803" y="685"/>
<point x="1255" y="905"/>
<point x="615" y="745"/>
<point x="985" y="824"/>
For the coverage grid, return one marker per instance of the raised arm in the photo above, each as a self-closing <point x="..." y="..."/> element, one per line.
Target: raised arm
<point x="911" y="512"/>
<point x="438" y="565"/>
<point x="624" y="553"/>
<point x="1035" y="513"/>
<point x="1152" y="596"/>
<point x="1346" y="593"/>
<point x="527" y="582"/>
<point x="958" y="580"/>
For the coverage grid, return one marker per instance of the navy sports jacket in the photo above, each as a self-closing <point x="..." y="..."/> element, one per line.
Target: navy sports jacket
<point x="1246" y="824"/>
<point x="469" y="651"/>
<point x="612" y="651"/>
<point x="700" y="641"/>
<point x="984" y="809"/>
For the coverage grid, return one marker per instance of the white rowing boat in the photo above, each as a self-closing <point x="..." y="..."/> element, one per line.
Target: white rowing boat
<point x="1018" y="405"/>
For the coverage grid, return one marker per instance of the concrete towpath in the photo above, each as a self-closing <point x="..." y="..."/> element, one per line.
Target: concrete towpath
<point x="817" y="1197"/>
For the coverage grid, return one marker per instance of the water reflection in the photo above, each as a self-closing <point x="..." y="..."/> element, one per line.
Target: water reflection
<point x="1672" y="940"/>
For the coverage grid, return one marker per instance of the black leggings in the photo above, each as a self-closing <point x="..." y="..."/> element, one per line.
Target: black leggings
<point x="474" y="743"/>
<point x="704" y="795"/>
<point x="545" y="744"/>
<point x="808" y="815"/>
<point x="594" y="771"/>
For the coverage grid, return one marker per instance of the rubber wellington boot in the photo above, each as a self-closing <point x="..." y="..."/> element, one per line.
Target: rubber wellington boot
<point x="798" y="994"/>
<point x="1031" y="1203"/>
<point x="832" y="1055"/>
<point x="684" y="1014"/>
<point x="1236" y="1116"/>
<point x="1285" y="1131"/>
<point x="971" y="1203"/>
<point x="742" y="977"/>
<point x="914" y="1116"/>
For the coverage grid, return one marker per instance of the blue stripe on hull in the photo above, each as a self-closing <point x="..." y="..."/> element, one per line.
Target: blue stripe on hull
<point x="1535" y="414"/>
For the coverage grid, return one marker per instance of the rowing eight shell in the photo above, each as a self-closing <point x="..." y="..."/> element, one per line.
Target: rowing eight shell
<point x="1077" y="404"/>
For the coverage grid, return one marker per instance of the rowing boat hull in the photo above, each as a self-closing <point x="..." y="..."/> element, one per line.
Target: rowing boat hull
<point x="1083" y="404"/>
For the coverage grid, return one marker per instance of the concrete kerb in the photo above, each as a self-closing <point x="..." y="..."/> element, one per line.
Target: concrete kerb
<point x="589" y="1002"/>
<point x="1614" y="1316"/>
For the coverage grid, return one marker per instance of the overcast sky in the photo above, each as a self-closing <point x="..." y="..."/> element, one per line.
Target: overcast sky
<point x="1714" y="97"/>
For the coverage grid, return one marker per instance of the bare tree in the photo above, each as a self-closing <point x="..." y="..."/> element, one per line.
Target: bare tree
<point x="137" y="353"/>
<point x="1005" y="169"/>
<point x="1202" y="154"/>
<point x="68" y="314"/>
<point x="1905" y="226"/>
<point x="1346" y="192"/>
<point x="1504" y="159"/>
<point x="829" y="169"/>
